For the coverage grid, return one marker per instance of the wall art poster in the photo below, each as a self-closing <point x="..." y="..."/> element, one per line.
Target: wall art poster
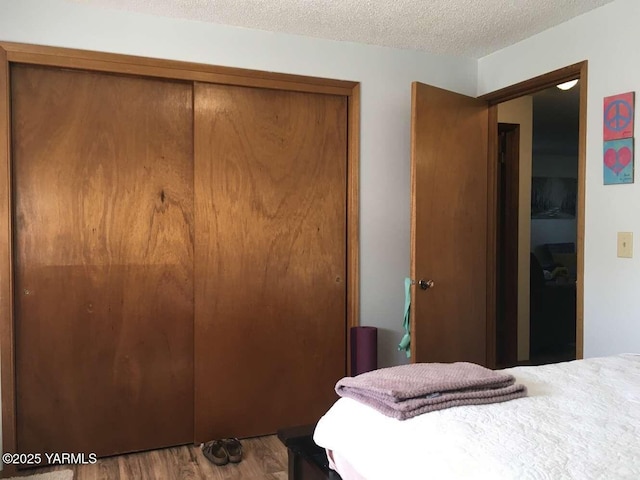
<point x="618" y="116"/>
<point x="618" y="161"/>
<point x="553" y="197"/>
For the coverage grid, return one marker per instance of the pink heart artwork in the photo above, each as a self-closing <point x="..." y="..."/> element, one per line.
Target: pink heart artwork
<point x="617" y="160"/>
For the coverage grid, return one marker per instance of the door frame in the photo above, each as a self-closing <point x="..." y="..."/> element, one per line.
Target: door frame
<point x="527" y="87"/>
<point x="168" y="69"/>
<point x="507" y="264"/>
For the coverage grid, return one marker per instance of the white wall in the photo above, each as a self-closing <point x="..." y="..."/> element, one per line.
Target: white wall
<point x="607" y="37"/>
<point x="385" y="75"/>
<point x="520" y="111"/>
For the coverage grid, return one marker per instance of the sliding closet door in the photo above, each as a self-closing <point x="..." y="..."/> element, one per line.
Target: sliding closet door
<point x="270" y="211"/>
<point x="103" y="232"/>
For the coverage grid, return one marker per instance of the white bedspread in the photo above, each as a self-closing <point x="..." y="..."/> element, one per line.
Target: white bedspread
<point x="580" y="420"/>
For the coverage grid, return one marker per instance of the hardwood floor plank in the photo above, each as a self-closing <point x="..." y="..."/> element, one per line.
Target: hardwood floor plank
<point x="272" y="459"/>
<point x="129" y="467"/>
<point x="104" y="468"/>
<point x="183" y="463"/>
<point x="264" y="458"/>
<point x="269" y="476"/>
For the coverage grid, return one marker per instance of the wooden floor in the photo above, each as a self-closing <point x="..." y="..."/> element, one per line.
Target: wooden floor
<point x="264" y="458"/>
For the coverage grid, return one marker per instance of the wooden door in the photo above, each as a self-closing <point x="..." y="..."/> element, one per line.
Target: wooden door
<point x="270" y="258"/>
<point x="103" y="233"/>
<point x="449" y="141"/>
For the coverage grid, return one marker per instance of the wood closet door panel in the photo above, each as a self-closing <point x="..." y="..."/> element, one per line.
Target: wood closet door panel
<point x="270" y="258"/>
<point x="103" y="213"/>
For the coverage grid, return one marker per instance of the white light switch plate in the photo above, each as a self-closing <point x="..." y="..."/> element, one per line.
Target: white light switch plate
<point x="625" y="244"/>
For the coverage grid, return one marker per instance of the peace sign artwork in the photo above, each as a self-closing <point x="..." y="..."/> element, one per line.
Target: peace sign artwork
<point x="618" y="116"/>
<point x="618" y="149"/>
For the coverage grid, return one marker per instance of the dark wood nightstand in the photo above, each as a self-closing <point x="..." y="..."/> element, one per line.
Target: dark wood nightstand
<point x="307" y="461"/>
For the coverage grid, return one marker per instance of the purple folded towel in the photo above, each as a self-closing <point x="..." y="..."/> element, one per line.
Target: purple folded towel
<point x="408" y="390"/>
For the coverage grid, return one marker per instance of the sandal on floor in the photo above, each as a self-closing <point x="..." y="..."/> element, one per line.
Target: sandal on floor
<point x="233" y="448"/>
<point x="215" y="452"/>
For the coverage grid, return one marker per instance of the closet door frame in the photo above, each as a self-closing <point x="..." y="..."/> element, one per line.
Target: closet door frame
<point x="124" y="64"/>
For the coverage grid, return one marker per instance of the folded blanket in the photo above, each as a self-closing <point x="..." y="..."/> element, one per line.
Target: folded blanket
<point x="408" y="390"/>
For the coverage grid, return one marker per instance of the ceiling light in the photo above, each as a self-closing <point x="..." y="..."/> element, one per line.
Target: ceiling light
<point x="567" y="85"/>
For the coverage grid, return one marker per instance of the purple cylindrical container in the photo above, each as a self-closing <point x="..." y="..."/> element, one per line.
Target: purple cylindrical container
<point x="364" y="349"/>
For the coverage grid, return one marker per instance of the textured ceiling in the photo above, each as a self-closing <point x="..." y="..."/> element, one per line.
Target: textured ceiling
<point x="470" y="28"/>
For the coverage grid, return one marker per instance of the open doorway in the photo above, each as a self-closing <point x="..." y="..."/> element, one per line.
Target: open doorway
<point x="537" y="227"/>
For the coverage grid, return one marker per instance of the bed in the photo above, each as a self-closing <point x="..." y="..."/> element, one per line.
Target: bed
<point x="580" y="420"/>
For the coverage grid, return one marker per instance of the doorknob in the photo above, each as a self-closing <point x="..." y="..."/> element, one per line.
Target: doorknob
<point x="425" y="284"/>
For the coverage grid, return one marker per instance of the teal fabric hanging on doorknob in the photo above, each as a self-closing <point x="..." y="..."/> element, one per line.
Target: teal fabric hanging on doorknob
<point x="405" y="343"/>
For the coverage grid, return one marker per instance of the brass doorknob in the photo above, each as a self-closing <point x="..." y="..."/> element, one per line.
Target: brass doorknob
<point x="425" y="284"/>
